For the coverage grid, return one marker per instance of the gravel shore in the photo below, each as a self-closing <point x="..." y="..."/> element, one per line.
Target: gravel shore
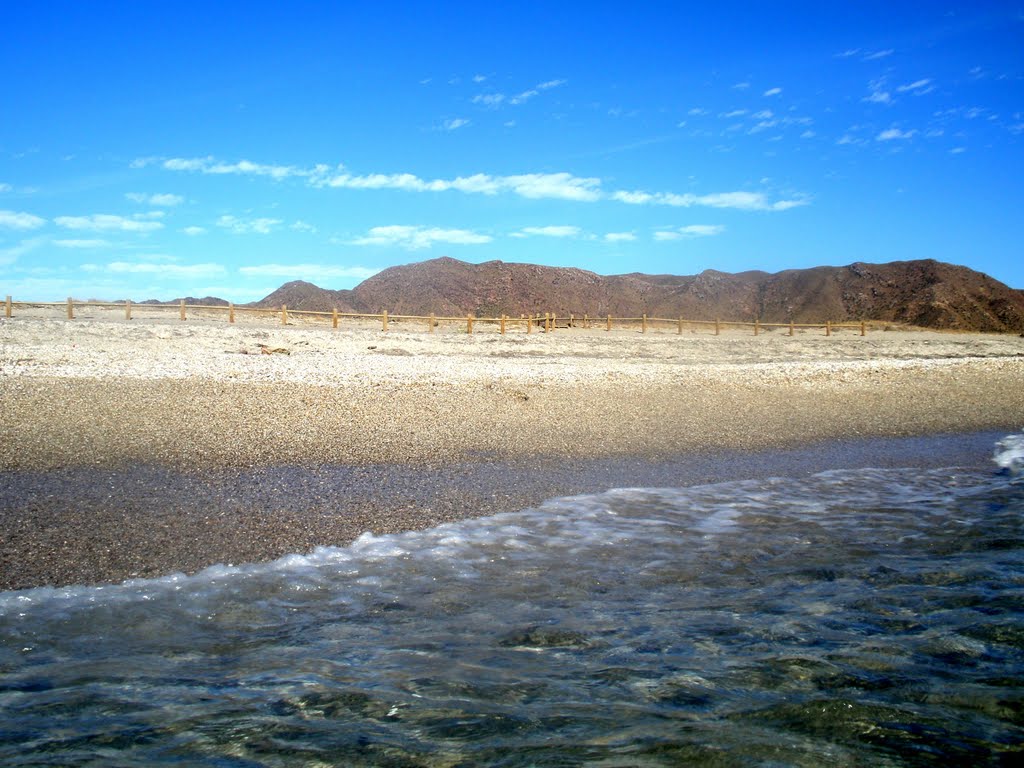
<point x="138" y="448"/>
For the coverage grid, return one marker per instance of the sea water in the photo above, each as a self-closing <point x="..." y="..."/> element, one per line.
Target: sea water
<point x="853" y="617"/>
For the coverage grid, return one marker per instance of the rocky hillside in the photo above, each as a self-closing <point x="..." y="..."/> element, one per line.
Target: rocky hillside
<point x="926" y="293"/>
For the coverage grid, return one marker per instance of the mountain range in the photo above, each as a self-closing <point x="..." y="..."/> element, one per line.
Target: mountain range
<point x="925" y="293"/>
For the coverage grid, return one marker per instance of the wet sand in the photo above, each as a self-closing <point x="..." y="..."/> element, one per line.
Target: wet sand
<point x="139" y="449"/>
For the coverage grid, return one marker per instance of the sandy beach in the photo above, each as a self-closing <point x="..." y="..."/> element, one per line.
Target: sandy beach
<point x="142" y="447"/>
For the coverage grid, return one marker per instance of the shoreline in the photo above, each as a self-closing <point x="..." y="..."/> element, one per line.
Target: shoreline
<point x="83" y="526"/>
<point x="139" y="450"/>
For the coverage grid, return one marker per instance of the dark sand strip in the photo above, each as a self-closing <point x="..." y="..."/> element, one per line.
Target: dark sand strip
<point x="82" y="525"/>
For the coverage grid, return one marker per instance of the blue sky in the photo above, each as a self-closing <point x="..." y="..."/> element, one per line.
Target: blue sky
<point x="155" y="150"/>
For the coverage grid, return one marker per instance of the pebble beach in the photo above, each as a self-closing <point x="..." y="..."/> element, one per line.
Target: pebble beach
<point x="144" y="447"/>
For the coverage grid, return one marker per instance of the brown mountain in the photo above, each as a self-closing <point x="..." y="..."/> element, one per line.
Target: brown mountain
<point x="300" y="295"/>
<point x="926" y="293"/>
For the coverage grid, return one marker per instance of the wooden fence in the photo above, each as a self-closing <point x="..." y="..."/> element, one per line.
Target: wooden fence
<point x="538" y="322"/>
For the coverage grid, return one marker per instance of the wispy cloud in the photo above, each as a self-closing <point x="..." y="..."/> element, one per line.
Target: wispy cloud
<point x="689" y="232"/>
<point x="549" y="231"/>
<point x="918" y="86"/>
<point x="167" y="270"/>
<point x="743" y="201"/>
<point x="619" y="237"/>
<point x="209" y="165"/>
<point x="492" y="100"/>
<point x="13" y="253"/>
<point x="311" y="272"/>
<point x="773" y="91"/>
<point x="88" y="243"/>
<point x="193" y="231"/>
<point x="414" y="238"/>
<point x="562" y="186"/>
<point x="533" y="186"/>
<point x="894" y="133"/>
<point x="302" y="226"/>
<point x="166" y="199"/>
<point x="874" y="55"/>
<point x="5" y="187"/>
<point x="258" y="226"/>
<point x="454" y="123"/>
<point x="20" y="220"/>
<point x="741" y="86"/>
<point x="105" y="222"/>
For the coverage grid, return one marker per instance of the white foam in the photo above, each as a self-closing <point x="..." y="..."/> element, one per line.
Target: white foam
<point x="1009" y="454"/>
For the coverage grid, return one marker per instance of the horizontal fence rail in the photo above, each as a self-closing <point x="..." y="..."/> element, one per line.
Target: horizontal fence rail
<point x="546" y="322"/>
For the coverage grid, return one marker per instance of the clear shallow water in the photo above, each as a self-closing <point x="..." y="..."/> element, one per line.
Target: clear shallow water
<point x="856" y="617"/>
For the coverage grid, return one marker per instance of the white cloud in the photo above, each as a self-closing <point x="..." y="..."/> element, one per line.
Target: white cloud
<point x="773" y="91"/>
<point x="957" y="150"/>
<point x="697" y="111"/>
<point x="492" y="100"/>
<point x="619" y="237"/>
<point x="259" y="226"/>
<point x="848" y="53"/>
<point x="302" y="226"/>
<point x="165" y="270"/>
<point x="455" y="123"/>
<point x="533" y="186"/>
<point x="733" y="113"/>
<point x="20" y="220"/>
<point x="889" y="134"/>
<point x="310" y="272"/>
<point x="104" y="222"/>
<point x="918" y="86"/>
<point x="743" y="201"/>
<point x="479" y="78"/>
<point x="552" y="231"/>
<point x="741" y="86"/>
<point x="11" y="255"/>
<point x="878" y="54"/>
<point x="193" y="231"/>
<point x="82" y="243"/>
<point x="547" y="85"/>
<point x="167" y="199"/>
<point x="562" y="186"/>
<point x="689" y="232"/>
<point x="523" y="97"/>
<point x="208" y="165"/>
<point x="878" y="97"/>
<point x="5" y="187"/>
<point x="415" y="238"/>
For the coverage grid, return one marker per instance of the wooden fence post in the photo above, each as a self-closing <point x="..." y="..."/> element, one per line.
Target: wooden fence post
<point x="431" y="322"/>
<point x="7" y="307"/>
<point x="643" y="325"/>
<point x="828" y="327"/>
<point x="680" y="331"/>
<point x="284" y="314"/>
<point x="334" y="318"/>
<point x="863" y="330"/>
<point x="790" y="327"/>
<point x="529" y="324"/>
<point x="718" y="328"/>
<point x="384" y="321"/>
<point x="71" y="309"/>
<point x="127" y="309"/>
<point x="231" y="312"/>
<point x="586" y="320"/>
<point x="609" y="323"/>
<point x="757" y="326"/>
<point x="181" y="309"/>
<point x="469" y="324"/>
<point x="503" y="324"/>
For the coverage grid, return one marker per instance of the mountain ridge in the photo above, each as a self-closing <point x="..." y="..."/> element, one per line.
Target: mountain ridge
<point x="922" y="292"/>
